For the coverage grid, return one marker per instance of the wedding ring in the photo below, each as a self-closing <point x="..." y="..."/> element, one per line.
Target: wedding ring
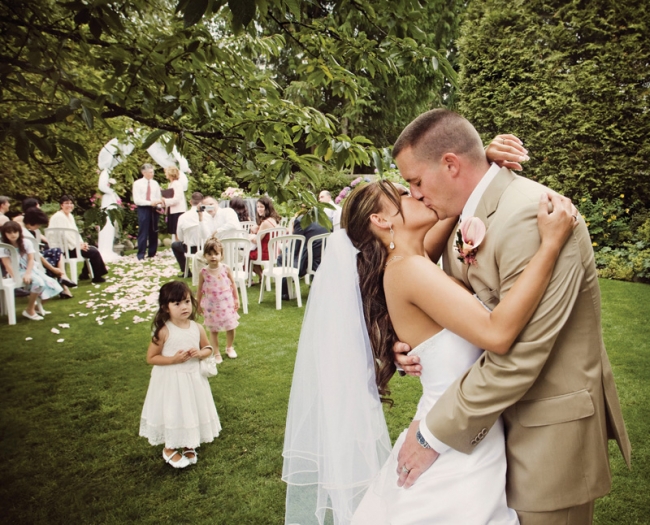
<point x="404" y="469"/>
<point x="503" y="141"/>
<point x="575" y="217"/>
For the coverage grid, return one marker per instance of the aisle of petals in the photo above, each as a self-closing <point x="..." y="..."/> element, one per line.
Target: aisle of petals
<point x="132" y="288"/>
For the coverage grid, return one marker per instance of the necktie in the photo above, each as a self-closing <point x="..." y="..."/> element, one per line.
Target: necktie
<point x="148" y="196"/>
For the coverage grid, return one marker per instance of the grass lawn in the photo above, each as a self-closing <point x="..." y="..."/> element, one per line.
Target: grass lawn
<point x="69" y="414"/>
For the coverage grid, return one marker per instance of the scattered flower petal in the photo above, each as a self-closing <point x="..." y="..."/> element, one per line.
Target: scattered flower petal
<point x="55" y="331"/>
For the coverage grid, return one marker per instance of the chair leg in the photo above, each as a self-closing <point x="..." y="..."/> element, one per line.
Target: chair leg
<point x="188" y="261"/>
<point x="74" y="276"/>
<point x="261" y="288"/>
<point x="278" y="293"/>
<point x="307" y="278"/>
<point x="243" y="292"/>
<point x="10" y="304"/>
<point x="90" y="269"/>
<point x="296" y="281"/>
<point x="268" y="282"/>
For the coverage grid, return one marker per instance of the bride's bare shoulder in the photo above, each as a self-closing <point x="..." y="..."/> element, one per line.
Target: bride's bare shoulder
<point x="412" y="269"/>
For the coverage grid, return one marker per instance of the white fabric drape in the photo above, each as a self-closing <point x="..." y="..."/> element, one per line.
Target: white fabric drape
<point x="336" y="437"/>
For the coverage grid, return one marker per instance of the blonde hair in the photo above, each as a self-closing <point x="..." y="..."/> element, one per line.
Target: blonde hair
<point x="172" y="172"/>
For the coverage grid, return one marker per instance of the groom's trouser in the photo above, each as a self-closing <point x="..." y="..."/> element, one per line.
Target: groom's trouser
<point x="580" y="515"/>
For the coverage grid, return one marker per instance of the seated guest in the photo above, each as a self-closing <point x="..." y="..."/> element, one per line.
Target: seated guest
<point x="64" y="219"/>
<point x="333" y="215"/>
<point x="239" y="205"/>
<point x="176" y="205"/>
<point x="186" y="232"/>
<point x="51" y="258"/>
<point x="310" y="231"/>
<point x="4" y="208"/>
<point x="223" y="219"/>
<point x="266" y="219"/>
<point x="30" y="276"/>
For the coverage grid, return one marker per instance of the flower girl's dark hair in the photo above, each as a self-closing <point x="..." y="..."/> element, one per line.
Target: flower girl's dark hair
<point x="361" y="203"/>
<point x="171" y="292"/>
<point x="13" y="227"/>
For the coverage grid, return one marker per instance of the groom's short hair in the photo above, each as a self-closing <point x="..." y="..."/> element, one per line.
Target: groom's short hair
<point x="437" y="132"/>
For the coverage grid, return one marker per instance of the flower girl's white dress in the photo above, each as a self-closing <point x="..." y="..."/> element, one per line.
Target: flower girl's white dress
<point x="467" y="489"/>
<point x="179" y="410"/>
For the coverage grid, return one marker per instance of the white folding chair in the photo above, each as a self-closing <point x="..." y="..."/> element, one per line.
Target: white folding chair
<point x="272" y="233"/>
<point x="232" y="233"/>
<point x="59" y="238"/>
<point x="247" y="225"/>
<point x="287" y="266"/>
<point x="8" y="285"/>
<point x="236" y="252"/>
<point x="310" y="253"/>
<point x="284" y="221"/>
<point x="194" y="233"/>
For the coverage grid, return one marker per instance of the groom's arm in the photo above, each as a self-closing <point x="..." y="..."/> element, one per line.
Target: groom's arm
<point x="471" y="405"/>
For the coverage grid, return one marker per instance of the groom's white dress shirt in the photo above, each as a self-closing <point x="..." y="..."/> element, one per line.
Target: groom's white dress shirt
<point x="468" y="211"/>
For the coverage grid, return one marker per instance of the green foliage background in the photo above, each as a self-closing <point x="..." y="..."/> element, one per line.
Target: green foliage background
<point x="570" y="78"/>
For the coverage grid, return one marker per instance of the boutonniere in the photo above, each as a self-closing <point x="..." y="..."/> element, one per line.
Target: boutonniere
<point x="468" y="238"/>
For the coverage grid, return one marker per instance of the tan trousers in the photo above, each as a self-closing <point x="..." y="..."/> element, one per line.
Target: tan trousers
<point x="580" y="515"/>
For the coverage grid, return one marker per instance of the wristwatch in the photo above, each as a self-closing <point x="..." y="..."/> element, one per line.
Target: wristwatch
<point x="421" y="440"/>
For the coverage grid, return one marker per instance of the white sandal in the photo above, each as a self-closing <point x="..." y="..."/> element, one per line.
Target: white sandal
<point x="191" y="460"/>
<point x="180" y="463"/>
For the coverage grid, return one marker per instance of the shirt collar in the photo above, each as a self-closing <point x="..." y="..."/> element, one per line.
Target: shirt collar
<point x="477" y="194"/>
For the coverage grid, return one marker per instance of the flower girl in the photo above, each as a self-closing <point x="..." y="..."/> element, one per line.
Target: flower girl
<point x="179" y="410"/>
<point x="218" y="299"/>
<point x="31" y="276"/>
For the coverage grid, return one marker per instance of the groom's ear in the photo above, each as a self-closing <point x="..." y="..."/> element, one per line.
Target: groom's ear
<point x="451" y="164"/>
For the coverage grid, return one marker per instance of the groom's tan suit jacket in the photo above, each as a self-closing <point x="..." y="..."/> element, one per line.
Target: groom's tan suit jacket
<point x="555" y="388"/>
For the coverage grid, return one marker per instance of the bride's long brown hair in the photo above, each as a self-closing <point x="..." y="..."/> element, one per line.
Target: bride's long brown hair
<point x="363" y="202"/>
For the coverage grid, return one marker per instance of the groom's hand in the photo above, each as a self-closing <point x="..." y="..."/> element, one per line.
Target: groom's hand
<point x="413" y="459"/>
<point x="410" y="364"/>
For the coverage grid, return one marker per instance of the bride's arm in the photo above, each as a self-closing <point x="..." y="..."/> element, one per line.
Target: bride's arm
<point x="436" y="238"/>
<point x="457" y="310"/>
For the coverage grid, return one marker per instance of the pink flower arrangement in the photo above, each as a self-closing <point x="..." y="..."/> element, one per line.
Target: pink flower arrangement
<point x="343" y="194"/>
<point x="231" y="192"/>
<point x="468" y="238"/>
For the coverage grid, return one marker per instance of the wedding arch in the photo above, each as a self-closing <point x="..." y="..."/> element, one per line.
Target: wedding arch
<point x="112" y="154"/>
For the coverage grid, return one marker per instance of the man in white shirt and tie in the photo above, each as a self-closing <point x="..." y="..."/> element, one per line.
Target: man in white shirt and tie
<point x="147" y="197"/>
<point x="193" y="227"/>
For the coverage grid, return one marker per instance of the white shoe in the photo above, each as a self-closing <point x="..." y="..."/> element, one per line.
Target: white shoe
<point x="192" y="460"/>
<point x="43" y="311"/>
<point x="34" y="317"/>
<point x="181" y="463"/>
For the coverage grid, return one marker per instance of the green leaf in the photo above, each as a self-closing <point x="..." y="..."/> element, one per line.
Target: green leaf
<point x="243" y="11"/>
<point x="152" y="137"/>
<point x="194" y="11"/>
<point x="74" y="147"/>
<point x="87" y="116"/>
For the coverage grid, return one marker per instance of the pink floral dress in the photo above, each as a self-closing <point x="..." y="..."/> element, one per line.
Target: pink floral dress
<point x="218" y="302"/>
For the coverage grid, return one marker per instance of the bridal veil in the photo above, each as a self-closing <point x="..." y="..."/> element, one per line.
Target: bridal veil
<point x="336" y="437"/>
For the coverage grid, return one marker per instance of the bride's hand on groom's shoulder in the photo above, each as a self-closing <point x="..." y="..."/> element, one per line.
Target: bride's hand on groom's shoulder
<point x="408" y="364"/>
<point x="413" y="459"/>
<point x="507" y="151"/>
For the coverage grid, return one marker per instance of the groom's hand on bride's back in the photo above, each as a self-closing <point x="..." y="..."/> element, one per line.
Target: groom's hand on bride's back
<point x="406" y="364"/>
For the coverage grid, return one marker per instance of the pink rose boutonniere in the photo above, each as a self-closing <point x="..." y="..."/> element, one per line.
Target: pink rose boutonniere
<point x="468" y="238"/>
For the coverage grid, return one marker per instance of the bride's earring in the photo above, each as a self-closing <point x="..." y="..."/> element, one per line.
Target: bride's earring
<point x="392" y="244"/>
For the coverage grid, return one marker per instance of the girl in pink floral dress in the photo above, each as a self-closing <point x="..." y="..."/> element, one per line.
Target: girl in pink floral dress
<point x="218" y="299"/>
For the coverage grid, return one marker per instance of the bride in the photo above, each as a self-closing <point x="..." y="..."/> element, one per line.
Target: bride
<point x="374" y="287"/>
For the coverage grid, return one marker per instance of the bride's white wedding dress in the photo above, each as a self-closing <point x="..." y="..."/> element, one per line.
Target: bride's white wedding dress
<point x="458" y="488"/>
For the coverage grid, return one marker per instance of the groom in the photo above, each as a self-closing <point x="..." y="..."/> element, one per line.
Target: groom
<point x="555" y="388"/>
